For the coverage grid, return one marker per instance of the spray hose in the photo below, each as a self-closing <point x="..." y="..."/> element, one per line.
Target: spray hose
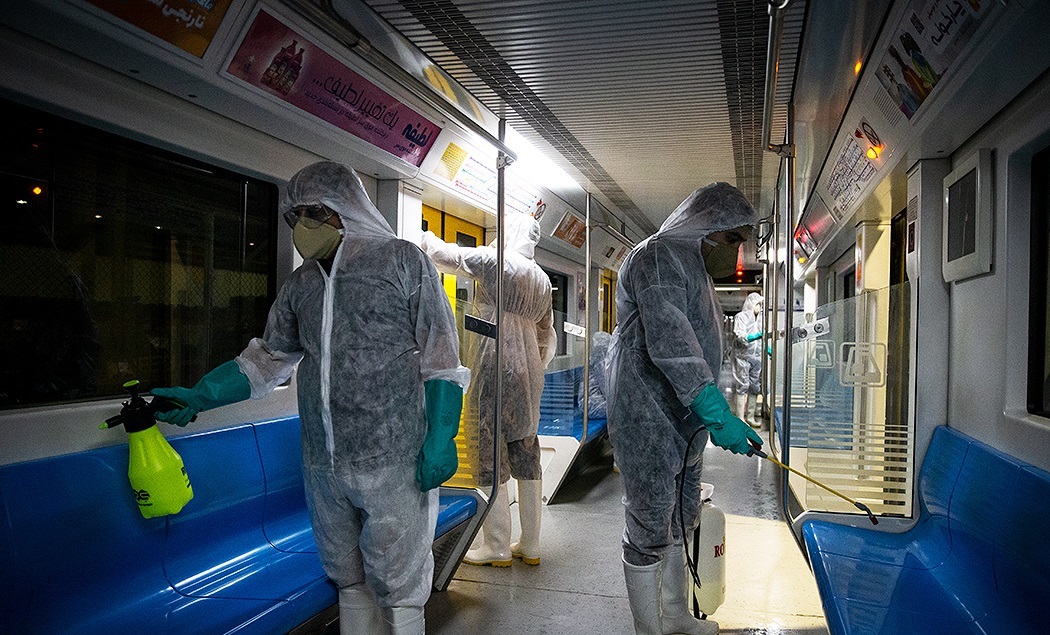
<point x="757" y="450"/>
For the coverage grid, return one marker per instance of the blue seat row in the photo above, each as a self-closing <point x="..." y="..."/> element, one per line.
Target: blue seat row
<point x="977" y="561"/>
<point x="77" y="557"/>
<point x="561" y="407"/>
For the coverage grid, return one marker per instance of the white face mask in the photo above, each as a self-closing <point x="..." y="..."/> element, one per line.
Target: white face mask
<point x="316" y="242"/>
<point x="721" y="260"/>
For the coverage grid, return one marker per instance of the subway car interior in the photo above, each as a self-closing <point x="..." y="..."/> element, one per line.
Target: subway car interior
<point x="897" y="153"/>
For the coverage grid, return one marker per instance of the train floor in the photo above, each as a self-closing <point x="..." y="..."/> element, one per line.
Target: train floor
<point x="579" y="589"/>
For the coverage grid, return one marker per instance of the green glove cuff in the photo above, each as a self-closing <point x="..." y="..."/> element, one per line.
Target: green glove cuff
<point x="444" y="403"/>
<point x="710" y="405"/>
<point x="224" y="385"/>
<point x="438" y="460"/>
<point x="754" y="336"/>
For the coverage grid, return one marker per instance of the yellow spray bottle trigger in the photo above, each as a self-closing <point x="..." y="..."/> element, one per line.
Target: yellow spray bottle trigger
<point x="157" y="474"/>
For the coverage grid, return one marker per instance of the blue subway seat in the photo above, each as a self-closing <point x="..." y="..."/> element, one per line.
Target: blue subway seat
<point x="454" y="509"/>
<point x="558" y="404"/>
<point x="561" y="408"/>
<point x="77" y="557"/>
<point x="975" y="562"/>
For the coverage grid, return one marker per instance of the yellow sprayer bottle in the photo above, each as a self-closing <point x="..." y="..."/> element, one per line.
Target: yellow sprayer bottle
<point x="157" y="474"/>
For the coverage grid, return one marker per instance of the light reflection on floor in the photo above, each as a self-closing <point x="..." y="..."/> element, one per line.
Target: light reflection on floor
<point x="579" y="590"/>
<point x="769" y="587"/>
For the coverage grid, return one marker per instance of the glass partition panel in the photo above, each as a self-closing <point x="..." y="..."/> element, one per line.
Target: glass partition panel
<point x="849" y="403"/>
<point x="561" y="403"/>
<point x="471" y="344"/>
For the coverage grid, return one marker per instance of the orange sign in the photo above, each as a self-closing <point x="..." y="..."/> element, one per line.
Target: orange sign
<point x="188" y="24"/>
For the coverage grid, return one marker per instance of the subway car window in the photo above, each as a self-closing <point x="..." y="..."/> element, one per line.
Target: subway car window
<point x="1039" y="309"/>
<point x="122" y="261"/>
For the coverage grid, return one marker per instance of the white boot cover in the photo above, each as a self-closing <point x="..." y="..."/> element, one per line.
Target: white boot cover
<point x="405" y="620"/>
<point x="643" y="594"/>
<point x="740" y="405"/>
<point x="358" y="612"/>
<point x="495" y="551"/>
<point x="752" y="404"/>
<point x="530" y="506"/>
<point x="674" y="606"/>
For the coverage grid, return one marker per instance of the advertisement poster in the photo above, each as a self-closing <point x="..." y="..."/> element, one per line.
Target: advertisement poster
<point x="925" y="45"/>
<point x="474" y="175"/>
<point x="282" y="63"/>
<point x="572" y="229"/>
<point x="187" y="24"/>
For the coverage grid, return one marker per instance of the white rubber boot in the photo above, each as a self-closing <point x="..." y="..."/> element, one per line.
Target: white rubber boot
<point x="674" y="606"/>
<point x="530" y="506"/>
<point x="495" y="551"/>
<point x="358" y="612"/>
<point x="405" y="620"/>
<point x="643" y="594"/>
<point x="752" y="418"/>
<point x="740" y="405"/>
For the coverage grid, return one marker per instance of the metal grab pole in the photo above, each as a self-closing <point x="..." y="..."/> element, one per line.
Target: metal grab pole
<point x="502" y="161"/>
<point x="776" y="34"/>
<point x="587" y="320"/>
<point x="789" y="295"/>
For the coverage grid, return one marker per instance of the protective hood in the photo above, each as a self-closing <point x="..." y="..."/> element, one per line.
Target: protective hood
<point x="338" y="187"/>
<point x="712" y="208"/>
<point x="521" y="234"/>
<point x="750" y="302"/>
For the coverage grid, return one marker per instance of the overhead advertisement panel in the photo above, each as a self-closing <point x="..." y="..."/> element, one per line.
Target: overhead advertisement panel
<point x="930" y="42"/>
<point x="281" y="63"/>
<point x="187" y="24"/>
<point x="381" y="36"/>
<point x="458" y="167"/>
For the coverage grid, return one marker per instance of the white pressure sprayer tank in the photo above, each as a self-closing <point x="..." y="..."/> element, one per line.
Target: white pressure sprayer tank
<point x="707" y="548"/>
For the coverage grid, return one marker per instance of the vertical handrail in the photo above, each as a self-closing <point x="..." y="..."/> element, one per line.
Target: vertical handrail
<point x="786" y="151"/>
<point x="771" y="326"/>
<point x="789" y="299"/>
<point x="776" y="35"/>
<point x="587" y="322"/>
<point x="502" y="161"/>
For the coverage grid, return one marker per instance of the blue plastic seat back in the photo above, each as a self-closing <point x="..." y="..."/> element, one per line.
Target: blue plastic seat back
<point x="286" y="521"/>
<point x="558" y="403"/>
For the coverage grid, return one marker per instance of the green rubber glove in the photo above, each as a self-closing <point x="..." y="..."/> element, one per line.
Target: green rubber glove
<point x="223" y="385"/>
<point x="754" y="336"/>
<point x="437" y="458"/>
<point x="727" y="431"/>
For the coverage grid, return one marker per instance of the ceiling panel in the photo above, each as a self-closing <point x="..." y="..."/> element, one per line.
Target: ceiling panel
<point x="642" y="102"/>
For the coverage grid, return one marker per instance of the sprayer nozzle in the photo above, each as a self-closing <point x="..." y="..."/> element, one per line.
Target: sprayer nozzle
<point x="864" y="508"/>
<point x="756" y="450"/>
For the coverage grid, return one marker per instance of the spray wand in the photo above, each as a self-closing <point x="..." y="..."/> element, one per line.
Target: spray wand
<point x="757" y="450"/>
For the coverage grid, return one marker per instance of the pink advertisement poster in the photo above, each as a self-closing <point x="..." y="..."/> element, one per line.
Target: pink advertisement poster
<point x="275" y="59"/>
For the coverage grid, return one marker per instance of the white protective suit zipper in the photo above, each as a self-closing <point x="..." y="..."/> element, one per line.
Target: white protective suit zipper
<point x="326" y="354"/>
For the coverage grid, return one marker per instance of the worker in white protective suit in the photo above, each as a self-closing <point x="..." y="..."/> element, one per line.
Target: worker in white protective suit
<point x="747" y="359"/>
<point x="664" y="398"/>
<point x="528" y="345"/>
<point x="380" y="388"/>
